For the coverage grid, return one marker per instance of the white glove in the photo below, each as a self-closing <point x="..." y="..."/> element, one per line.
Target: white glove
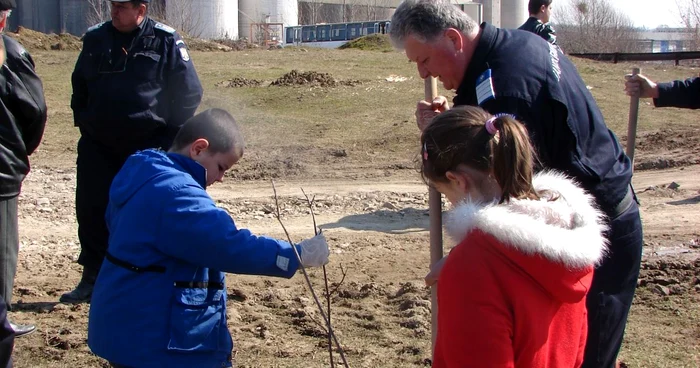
<point x="314" y="251"/>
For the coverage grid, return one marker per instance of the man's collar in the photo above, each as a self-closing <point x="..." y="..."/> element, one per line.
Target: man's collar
<point x="481" y="52"/>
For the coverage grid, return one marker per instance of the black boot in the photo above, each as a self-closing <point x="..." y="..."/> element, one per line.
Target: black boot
<point x="21" y="330"/>
<point x="83" y="292"/>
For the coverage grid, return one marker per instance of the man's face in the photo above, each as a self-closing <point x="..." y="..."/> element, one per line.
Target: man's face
<point x="127" y="16"/>
<point x="547" y="14"/>
<point x="442" y="58"/>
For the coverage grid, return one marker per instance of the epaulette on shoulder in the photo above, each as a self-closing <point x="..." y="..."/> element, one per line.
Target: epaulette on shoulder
<point x="164" y="27"/>
<point x="96" y="26"/>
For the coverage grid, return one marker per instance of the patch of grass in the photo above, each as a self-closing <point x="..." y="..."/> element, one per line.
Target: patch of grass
<point x="373" y="121"/>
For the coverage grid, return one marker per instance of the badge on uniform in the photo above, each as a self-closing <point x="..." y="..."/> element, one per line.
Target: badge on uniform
<point x="180" y="44"/>
<point x="484" y="87"/>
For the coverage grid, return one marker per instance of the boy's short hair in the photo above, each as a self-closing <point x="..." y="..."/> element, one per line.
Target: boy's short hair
<point x="534" y="5"/>
<point x="216" y="126"/>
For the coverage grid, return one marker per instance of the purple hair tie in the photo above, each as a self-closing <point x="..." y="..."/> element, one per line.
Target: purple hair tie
<point x="491" y="123"/>
<point x="490" y="126"/>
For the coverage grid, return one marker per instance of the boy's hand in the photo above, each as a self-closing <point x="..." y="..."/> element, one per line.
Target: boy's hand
<point x="314" y="251"/>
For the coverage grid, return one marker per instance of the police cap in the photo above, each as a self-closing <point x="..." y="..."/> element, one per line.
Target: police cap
<point x="7" y="5"/>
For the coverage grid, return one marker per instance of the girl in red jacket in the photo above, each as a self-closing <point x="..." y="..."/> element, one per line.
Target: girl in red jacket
<point x="512" y="292"/>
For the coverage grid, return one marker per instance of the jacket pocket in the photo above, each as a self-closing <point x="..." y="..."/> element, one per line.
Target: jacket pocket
<point x="145" y="65"/>
<point x="196" y="320"/>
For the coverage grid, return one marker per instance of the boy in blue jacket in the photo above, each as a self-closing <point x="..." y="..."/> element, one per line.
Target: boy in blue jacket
<point x="160" y="298"/>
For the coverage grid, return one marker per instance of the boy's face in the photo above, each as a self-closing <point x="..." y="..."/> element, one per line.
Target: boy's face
<point x="216" y="164"/>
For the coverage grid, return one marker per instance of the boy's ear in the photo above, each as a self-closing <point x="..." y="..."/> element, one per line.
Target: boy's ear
<point x="198" y="146"/>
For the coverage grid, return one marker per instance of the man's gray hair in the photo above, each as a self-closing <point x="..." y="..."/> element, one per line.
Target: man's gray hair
<point x="427" y="19"/>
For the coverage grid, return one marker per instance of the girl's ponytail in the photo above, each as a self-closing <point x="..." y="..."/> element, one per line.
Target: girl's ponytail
<point x="512" y="159"/>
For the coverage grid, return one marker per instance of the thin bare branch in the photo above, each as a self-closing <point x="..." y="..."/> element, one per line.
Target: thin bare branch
<point x="310" y="202"/>
<point x="306" y="277"/>
<point x="337" y="286"/>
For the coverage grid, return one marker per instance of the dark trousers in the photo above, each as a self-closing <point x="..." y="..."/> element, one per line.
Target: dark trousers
<point x="7" y="337"/>
<point x="96" y="168"/>
<point x="9" y="247"/>
<point x="612" y="292"/>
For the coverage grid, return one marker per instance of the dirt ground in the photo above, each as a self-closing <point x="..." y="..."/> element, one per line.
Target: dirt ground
<point x="372" y="206"/>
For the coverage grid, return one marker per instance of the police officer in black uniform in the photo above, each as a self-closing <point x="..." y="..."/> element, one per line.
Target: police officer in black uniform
<point x="23" y="110"/>
<point x="509" y="71"/>
<point x="538" y="23"/>
<point x="134" y="85"/>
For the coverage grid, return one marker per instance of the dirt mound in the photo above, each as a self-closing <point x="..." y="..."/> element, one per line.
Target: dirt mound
<point x="238" y="82"/>
<point x="33" y="40"/>
<point x="373" y="42"/>
<point x="311" y="78"/>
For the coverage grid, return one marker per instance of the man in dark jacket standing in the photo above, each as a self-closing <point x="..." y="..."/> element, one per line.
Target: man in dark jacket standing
<point x="538" y="23"/>
<point x="21" y="128"/>
<point x="514" y="72"/>
<point x="134" y="85"/>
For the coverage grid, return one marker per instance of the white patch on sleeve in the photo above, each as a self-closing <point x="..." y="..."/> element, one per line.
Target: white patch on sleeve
<point x="283" y="263"/>
<point x="484" y="87"/>
<point x="180" y="44"/>
<point x="165" y="28"/>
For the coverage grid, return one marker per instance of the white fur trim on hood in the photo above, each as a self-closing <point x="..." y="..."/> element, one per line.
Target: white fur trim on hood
<point x="569" y="230"/>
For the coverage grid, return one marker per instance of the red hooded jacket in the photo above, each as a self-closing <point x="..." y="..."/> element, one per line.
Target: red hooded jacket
<point x="512" y="293"/>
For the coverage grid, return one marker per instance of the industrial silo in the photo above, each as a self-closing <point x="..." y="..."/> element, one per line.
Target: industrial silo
<point x="209" y="19"/>
<point x="513" y="13"/>
<point x="266" y="11"/>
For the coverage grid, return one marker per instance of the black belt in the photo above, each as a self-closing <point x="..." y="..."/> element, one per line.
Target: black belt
<point x="199" y="285"/>
<point x="624" y="204"/>
<point x="132" y="267"/>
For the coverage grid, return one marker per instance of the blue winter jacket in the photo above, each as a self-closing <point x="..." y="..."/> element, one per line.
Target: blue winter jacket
<point x="160" y="298"/>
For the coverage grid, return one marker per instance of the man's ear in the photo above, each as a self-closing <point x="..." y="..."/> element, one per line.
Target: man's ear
<point x="456" y="38"/>
<point x="543" y="9"/>
<point x="143" y="9"/>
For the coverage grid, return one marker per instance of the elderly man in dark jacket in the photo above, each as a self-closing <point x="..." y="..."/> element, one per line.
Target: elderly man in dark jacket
<point x="21" y="128"/>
